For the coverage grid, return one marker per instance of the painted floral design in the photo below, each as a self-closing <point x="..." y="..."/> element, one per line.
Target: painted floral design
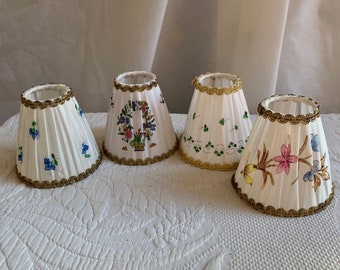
<point x="218" y="150"/>
<point x="263" y="164"/>
<point x="162" y="101"/>
<point x="315" y="142"/>
<point x="249" y="168"/>
<point x="33" y="131"/>
<point x="84" y="150"/>
<point x="285" y="159"/>
<point x="20" y="154"/>
<point x="136" y="136"/>
<point x="79" y="110"/>
<point x="50" y="163"/>
<point x="317" y="174"/>
<point x="222" y="121"/>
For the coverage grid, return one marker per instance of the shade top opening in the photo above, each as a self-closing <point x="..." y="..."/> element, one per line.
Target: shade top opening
<point x="218" y="83"/>
<point x="136" y="78"/>
<point x="218" y="80"/>
<point x="46" y="92"/>
<point x="294" y="105"/>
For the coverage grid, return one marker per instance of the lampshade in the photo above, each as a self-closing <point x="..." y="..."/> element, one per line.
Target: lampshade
<point x="139" y="130"/>
<point x="285" y="167"/>
<point x="218" y="124"/>
<point x="55" y="144"/>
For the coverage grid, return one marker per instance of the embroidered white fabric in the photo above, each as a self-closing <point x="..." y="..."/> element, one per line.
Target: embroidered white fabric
<point x="168" y="215"/>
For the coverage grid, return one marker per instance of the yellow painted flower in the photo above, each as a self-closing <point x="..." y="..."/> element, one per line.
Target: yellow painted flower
<point x="249" y="168"/>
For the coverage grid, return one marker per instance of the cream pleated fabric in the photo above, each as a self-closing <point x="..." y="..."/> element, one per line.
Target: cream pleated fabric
<point x="274" y="46"/>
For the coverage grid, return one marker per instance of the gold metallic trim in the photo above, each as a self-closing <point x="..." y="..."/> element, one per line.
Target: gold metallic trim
<point x="130" y="161"/>
<point x="281" y="212"/>
<point x="61" y="182"/>
<point x="283" y="119"/>
<point x="47" y="103"/>
<point x="135" y="87"/>
<point x="216" y="90"/>
<point x="208" y="165"/>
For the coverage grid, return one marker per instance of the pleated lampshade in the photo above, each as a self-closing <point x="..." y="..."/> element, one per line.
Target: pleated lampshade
<point x="56" y="146"/>
<point x="285" y="168"/>
<point x="218" y="124"/>
<point x="139" y="130"/>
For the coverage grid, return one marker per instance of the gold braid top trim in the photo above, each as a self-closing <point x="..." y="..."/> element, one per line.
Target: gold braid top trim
<point x="46" y="103"/>
<point x="135" y="87"/>
<point x="150" y="160"/>
<point x="61" y="182"/>
<point x="283" y="119"/>
<point x="237" y="84"/>
<point x="281" y="212"/>
<point x="208" y="165"/>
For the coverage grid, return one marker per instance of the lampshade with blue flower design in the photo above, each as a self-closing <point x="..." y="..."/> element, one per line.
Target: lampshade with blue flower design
<point x="56" y="146"/>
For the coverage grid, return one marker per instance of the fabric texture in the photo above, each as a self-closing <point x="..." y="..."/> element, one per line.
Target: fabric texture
<point x="274" y="46"/>
<point x="167" y="215"/>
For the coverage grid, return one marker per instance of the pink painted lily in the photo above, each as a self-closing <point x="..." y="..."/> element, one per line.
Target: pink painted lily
<point x="285" y="159"/>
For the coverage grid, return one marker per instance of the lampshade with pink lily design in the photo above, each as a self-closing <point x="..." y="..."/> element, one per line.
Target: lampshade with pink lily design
<point x="285" y="168"/>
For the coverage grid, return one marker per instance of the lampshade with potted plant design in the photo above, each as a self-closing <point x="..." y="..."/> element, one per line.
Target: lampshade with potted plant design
<point x="139" y="130"/>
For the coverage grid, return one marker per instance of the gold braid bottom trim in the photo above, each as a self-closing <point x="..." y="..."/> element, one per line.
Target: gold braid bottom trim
<point x="61" y="182"/>
<point x="208" y="165"/>
<point x="281" y="212"/>
<point x="130" y="161"/>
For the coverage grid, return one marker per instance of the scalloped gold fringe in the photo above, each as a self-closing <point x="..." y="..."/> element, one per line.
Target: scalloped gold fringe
<point x="281" y="212"/>
<point x="283" y="119"/>
<point x="134" y="87"/>
<point x="61" y="182"/>
<point x="47" y="103"/>
<point x="208" y="165"/>
<point x="215" y="90"/>
<point x="130" y="161"/>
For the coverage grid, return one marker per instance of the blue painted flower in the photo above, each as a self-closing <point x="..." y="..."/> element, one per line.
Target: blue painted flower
<point x="80" y="111"/>
<point x="133" y="105"/>
<point x="149" y="125"/>
<point x="121" y="120"/>
<point x="33" y="131"/>
<point x="315" y="142"/>
<point x="50" y="164"/>
<point x="20" y="154"/>
<point x="309" y="176"/>
<point x="84" y="149"/>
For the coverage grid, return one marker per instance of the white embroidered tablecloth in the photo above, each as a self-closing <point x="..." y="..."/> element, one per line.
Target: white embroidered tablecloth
<point x="168" y="215"/>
